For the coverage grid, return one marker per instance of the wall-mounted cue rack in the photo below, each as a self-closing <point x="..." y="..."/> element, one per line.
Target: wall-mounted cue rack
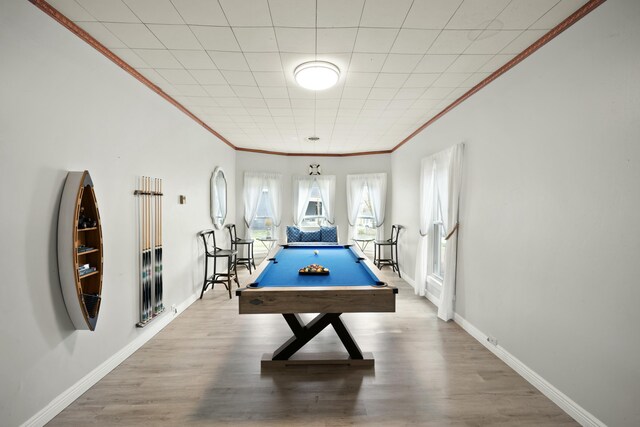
<point x="149" y="206"/>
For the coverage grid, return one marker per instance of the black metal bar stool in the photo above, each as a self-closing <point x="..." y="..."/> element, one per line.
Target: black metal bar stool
<point x="392" y="244"/>
<point x="247" y="261"/>
<point x="211" y="250"/>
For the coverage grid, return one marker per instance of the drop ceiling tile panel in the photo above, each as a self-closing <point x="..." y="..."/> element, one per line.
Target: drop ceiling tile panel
<point x="451" y="42"/>
<point x="177" y="77"/>
<point x="293" y="13"/>
<point x="431" y="14"/>
<point x="222" y="91"/>
<point x="414" y="41"/>
<point x="452" y="80"/>
<point x="229" y="60"/>
<point x="523" y="41"/>
<point x="135" y="35"/>
<point x="357" y="79"/>
<point x="277" y="103"/>
<point x="382" y="93"/>
<point x="521" y="14"/>
<point x="101" y="33"/>
<point x="247" y="91"/>
<point x="229" y="101"/>
<point x="299" y="105"/>
<point x="275" y="92"/>
<point x="191" y="90"/>
<point x="474" y="79"/>
<point x="468" y="63"/>
<point x="436" y="93"/>
<point x="216" y="38"/>
<point x="296" y="40"/>
<point x="401" y="63"/>
<point x="351" y="104"/>
<point x="421" y="80"/>
<point x="175" y="36"/>
<point x="247" y="13"/>
<point x="367" y="62"/>
<point x="269" y="78"/>
<point x="495" y="62"/>
<point x="391" y="80"/>
<point x="300" y="93"/>
<point x="339" y="13"/>
<point x="356" y="93"/>
<point x="72" y="10"/>
<point x="256" y="39"/>
<point x="200" y="12"/>
<point x="194" y="59"/>
<point x="155" y="11"/>
<point x="557" y="14"/>
<point x="158" y="58"/>
<point x="336" y="40"/>
<point x="384" y="13"/>
<point x="408" y="93"/>
<point x="476" y="14"/>
<point x="264" y="61"/>
<point x="491" y="41"/>
<point x="375" y="40"/>
<point x="242" y="78"/>
<point x="435" y="63"/>
<point x="109" y="10"/>
<point x="208" y="77"/>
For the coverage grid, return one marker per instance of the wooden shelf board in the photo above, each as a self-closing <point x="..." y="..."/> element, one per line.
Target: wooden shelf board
<point x="87" y="229"/>
<point x="87" y="252"/>
<point x="89" y="274"/>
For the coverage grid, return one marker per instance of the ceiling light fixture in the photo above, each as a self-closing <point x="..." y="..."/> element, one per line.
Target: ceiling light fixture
<point x="316" y="75"/>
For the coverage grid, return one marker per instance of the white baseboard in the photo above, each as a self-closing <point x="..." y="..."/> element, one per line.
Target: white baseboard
<point x="576" y="411"/>
<point x="67" y="397"/>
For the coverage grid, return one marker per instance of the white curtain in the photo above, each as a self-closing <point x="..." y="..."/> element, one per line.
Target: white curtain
<point x="355" y="188"/>
<point x="454" y="181"/>
<point x="301" y="192"/>
<point x="377" y="183"/>
<point x="253" y="185"/>
<point x="427" y="186"/>
<point x="440" y="180"/>
<point x="327" y="186"/>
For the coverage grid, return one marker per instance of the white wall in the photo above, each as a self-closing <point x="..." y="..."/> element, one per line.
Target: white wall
<point x="550" y="238"/>
<point x="293" y="165"/>
<point x="63" y="106"/>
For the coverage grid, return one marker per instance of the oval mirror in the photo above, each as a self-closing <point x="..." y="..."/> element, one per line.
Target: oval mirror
<point x="218" y="198"/>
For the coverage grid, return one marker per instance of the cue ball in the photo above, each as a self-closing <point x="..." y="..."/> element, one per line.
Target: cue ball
<point x="316" y="252"/>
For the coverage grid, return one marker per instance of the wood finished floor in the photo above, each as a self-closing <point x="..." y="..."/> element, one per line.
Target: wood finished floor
<point x="204" y="369"/>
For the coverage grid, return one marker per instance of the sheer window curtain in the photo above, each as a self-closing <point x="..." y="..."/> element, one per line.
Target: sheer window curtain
<point x="355" y="187"/>
<point x="441" y="176"/>
<point x="254" y="184"/>
<point x="377" y="183"/>
<point x="327" y="186"/>
<point x="273" y="183"/>
<point x="301" y="192"/>
<point x="454" y="178"/>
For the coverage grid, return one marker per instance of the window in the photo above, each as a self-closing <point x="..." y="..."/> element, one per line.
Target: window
<point x="365" y="224"/>
<point x="314" y="214"/>
<point x="262" y="225"/>
<point x="437" y="244"/>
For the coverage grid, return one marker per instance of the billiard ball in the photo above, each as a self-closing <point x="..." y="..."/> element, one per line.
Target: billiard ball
<point x="316" y="252"/>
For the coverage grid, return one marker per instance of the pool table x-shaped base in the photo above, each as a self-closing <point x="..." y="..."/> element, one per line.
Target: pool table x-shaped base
<point x="302" y="334"/>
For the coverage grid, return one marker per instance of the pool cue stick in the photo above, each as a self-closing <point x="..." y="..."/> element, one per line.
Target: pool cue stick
<point x="159" y="248"/>
<point x="141" y="247"/>
<point x="146" y="249"/>
<point x="149" y="260"/>
<point x="156" y="261"/>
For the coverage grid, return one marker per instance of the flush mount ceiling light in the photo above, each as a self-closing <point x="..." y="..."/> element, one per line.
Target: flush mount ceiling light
<point x="316" y="75"/>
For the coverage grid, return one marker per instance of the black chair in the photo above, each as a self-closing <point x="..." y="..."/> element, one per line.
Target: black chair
<point x="211" y="250"/>
<point x="247" y="261"/>
<point x="392" y="244"/>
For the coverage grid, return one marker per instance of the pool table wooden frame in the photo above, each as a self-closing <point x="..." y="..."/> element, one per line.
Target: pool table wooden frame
<point x="329" y="301"/>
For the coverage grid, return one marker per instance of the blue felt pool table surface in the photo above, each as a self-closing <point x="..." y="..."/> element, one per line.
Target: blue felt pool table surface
<point x="342" y="262"/>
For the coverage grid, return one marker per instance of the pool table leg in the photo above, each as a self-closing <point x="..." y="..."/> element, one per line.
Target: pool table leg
<point x="302" y="334"/>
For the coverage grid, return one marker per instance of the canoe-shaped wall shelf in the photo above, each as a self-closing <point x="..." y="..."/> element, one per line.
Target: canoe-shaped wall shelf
<point x="80" y="250"/>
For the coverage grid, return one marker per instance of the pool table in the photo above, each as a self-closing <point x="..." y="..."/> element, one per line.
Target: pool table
<point x="350" y="286"/>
